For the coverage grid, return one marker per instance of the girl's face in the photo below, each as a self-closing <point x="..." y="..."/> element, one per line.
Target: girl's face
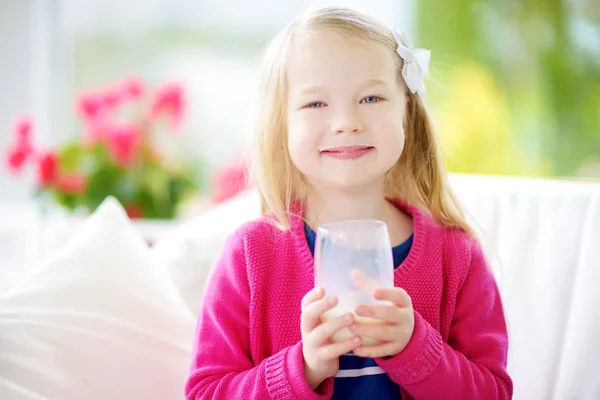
<point x="345" y="110"/>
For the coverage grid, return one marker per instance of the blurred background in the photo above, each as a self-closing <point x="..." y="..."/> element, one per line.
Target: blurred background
<point x="514" y="85"/>
<point x="514" y="89"/>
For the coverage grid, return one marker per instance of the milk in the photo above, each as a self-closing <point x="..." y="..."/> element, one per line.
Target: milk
<point x="345" y="334"/>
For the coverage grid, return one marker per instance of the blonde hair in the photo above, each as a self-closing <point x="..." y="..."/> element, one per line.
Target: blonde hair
<point x="418" y="177"/>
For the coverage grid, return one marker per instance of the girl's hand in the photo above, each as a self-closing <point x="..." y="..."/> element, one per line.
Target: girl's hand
<point x="321" y="356"/>
<point x="398" y="328"/>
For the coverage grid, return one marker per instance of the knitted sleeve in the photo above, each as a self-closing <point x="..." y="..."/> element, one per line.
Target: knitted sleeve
<point x="222" y="366"/>
<point x="472" y="364"/>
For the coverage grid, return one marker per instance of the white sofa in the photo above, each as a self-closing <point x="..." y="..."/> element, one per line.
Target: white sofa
<point x="137" y="306"/>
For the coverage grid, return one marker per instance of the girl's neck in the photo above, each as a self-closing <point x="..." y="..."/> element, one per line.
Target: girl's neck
<point x="329" y="206"/>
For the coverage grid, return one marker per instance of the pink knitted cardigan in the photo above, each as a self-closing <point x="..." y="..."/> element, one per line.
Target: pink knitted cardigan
<point x="248" y="342"/>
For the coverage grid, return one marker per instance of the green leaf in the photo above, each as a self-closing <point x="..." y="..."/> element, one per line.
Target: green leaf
<point x="156" y="181"/>
<point x="103" y="182"/>
<point x="71" y="157"/>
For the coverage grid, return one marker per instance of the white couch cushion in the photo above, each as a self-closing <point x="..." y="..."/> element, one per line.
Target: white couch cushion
<point x="99" y="320"/>
<point x="190" y="251"/>
<point x="546" y="236"/>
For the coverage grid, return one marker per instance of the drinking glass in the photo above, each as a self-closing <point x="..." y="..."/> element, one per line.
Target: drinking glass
<point x="352" y="258"/>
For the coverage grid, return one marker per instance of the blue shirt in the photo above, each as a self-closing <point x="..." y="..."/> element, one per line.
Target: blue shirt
<point x="361" y="378"/>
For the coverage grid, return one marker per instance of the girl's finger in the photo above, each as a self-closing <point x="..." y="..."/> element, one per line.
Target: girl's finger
<point x="363" y="281"/>
<point x="384" y="333"/>
<point x="323" y="333"/>
<point x="396" y="295"/>
<point x="391" y="314"/>
<point x="335" y="350"/>
<point x="311" y="314"/>
<point x="382" y="350"/>
<point x="312" y="295"/>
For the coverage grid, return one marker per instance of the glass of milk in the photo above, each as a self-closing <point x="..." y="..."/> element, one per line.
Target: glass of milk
<point x="352" y="258"/>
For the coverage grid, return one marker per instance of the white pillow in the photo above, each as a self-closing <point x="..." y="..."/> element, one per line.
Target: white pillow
<point x="98" y="320"/>
<point x="190" y="251"/>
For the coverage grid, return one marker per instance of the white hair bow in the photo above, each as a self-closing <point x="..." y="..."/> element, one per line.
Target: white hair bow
<point x="416" y="63"/>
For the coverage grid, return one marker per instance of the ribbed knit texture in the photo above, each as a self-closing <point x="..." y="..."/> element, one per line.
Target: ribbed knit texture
<point x="248" y="342"/>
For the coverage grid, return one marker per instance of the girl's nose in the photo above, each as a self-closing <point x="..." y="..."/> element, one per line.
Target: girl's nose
<point x="347" y="121"/>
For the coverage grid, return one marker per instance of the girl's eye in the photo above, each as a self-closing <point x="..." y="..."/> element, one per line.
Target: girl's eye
<point x="371" y="99"/>
<point x="315" y="104"/>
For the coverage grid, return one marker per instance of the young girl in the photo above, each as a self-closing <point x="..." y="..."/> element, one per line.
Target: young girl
<point x="343" y="134"/>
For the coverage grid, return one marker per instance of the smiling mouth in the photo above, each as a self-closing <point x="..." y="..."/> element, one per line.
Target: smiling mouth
<point x="347" y="152"/>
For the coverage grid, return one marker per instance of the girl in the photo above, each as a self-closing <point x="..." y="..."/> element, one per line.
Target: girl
<point x="343" y="134"/>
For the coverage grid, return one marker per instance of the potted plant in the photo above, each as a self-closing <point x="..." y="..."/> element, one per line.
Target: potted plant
<point x="125" y="149"/>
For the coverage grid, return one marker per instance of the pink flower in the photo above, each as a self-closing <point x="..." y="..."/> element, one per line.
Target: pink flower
<point x="95" y="131"/>
<point x="23" y="129"/>
<point x="123" y="141"/>
<point x="21" y="148"/>
<point x="15" y="159"/>
<point x="47" y="169"/>
<point x="23" y="132"/>
<point x="169" y="100"/>
<point x="112" y="97"/>
<point x="133" y="88"/>
<point x="90" y="105"/>
<point x="71" y="183"/>
<point x="95" y="105"/>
